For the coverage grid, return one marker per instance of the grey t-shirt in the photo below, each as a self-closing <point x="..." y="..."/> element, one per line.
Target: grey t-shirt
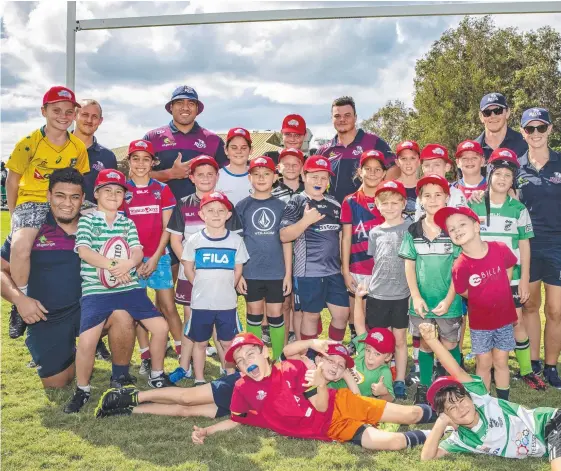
<point x="260" y="221"/>
<point x="388" y="277"/>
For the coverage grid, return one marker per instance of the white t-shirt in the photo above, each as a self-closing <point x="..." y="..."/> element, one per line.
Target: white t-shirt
<point x="456" y="200"/>
<point x="235" y="186"/>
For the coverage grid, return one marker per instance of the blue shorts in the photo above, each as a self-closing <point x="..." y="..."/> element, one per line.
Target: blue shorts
<point x="483" y="341"/>
<point x="545" y="263"/>
<point x="222" y="389"/>
<point x="52" y="343"/>
<point x="96" y="308"/>
<point x="161" y="277"/>
<point x="199" y="327"/>
<point x="315" y="292"/>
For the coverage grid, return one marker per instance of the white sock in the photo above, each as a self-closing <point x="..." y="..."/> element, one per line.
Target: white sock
<point x="156" y="373"/>
<point x="23" y="289"/>
<point x="177" y="343"/>
<point x="87" y="388"/>
<point x="142" y="350"/>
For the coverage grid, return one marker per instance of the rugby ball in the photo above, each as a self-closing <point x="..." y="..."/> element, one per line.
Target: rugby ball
<point x="116" y="247"/>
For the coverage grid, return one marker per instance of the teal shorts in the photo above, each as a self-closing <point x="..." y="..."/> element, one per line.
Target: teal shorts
<point x="161" y="277"/>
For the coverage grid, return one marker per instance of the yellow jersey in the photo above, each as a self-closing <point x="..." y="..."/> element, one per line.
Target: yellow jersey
<point x="35" y="158"/>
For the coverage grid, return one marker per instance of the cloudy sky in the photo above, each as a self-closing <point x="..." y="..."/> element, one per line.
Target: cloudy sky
<point x="248" y="75"/>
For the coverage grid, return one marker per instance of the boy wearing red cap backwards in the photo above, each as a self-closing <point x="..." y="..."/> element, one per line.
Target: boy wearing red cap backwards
<point x="435" y="161"/>
<point x="358" y="215"/>
<point x="408" y="160"/>
<point x="482" y="275"/>
<point x="470" y="160"/>
<point x="98" y="302"/>
<point x="505" y="219"/>
<point x="311" y="220"/>
<point x="149" y="204"/>
<point x="213" y="260"/>
<point x="30" y="164"/>
<point x="291" y="400"/>
<point x="233" y="180"/>
<point x="484" y="424"/>
<point x="429" y="255"/>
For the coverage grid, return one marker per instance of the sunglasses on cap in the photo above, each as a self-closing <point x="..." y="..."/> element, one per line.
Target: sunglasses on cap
<point x="531" y="129"/>
<point x="495" y="111"/>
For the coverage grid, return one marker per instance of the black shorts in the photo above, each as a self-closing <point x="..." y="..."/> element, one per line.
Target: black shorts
<point x="387" y="313"/>
<point x="52" y="343"/>
<point x="222" y="390"/>
<point x="270" y="290"/>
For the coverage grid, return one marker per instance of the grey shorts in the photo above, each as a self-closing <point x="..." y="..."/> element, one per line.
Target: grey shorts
<point x="448" y="328"/>
<point x="483" y="341"/>
<point x="31" y="215"/>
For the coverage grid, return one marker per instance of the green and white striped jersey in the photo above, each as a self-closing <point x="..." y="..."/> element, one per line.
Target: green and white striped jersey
<point x="504" y="428"/>
<point x="93" y="232"/>
<point x="510" y="223"/>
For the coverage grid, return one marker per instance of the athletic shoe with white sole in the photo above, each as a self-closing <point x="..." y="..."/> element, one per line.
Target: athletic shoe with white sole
<point x="77" y="401"/>
<point x="161" y="381"/>
<point x="211" y="351"/>
<point x="145" y="367"/>
<point x="117" y="399"/>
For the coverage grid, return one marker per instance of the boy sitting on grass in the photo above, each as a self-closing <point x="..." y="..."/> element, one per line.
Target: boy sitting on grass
<point x="484" y="424"/>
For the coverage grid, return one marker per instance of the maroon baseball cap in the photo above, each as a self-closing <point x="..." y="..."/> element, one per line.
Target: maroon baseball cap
<point x="245" y="338"/>
<point x="241" y="132"/>
<point x="141" y="145"/>
<point x="373" y="154"/>
<point x="411" y="145"/>
<point x="380" y="338"/>
<point x="340" y="350"/>
<point x="444" y="213"/>
<point x="294" y="123"/>
<point x="262" y="161"/>
<point x="439" y="384"/>
<point x="202" y="160"/>
<point x="318" y="163"/>
<point x="110" y="176"/>
<point x="434" y="179"/>
<point x="216" y="196"/>
<point x="473" y="146"/>
<point x="292" y="151"/>
<point x="391" y="185"/>
<point x="57" y="94"/>
<point x="435" y="151"/>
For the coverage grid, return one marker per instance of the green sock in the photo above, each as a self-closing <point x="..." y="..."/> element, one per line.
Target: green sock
<point x="455" y="352"/>
<point x="522" y="352"/>
<point x="254" y="324"/>
<point x="426" y="365"/>
<point x="276" y="329"/>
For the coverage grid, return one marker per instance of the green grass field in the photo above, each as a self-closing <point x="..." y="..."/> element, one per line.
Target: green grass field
<point x="37" y="435"/>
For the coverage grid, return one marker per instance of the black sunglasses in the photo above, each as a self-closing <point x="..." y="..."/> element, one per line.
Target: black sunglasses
<point x="496" y="111"/>
<point x="531" y="129"/>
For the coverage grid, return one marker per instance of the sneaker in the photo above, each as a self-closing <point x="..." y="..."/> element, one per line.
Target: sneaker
<point x="102" y="413"/>
<point x="412" y="377"/>
<point x="117" y="398"/>
<point x="211" y="351"/>
<point x="31" y="364"/>
<point x="17" y="326"/>
<point x="291" y="337"/>
<point x="78" y="400"/>
<point x="161" y="381"/>
<point x="266" y="336"/>
<point x="101" y="352"/>
<point x="178" y="374"/>
<point x="145" y="367"/>
<point x="421" y="395"/>
<point x="201" y="382"/>
<point x="533" y="381"/>
<point x="122" y="381"/>
<point x="551" y="375"/>
<point x="400" y="390"/>
<point x="537" y="366"/>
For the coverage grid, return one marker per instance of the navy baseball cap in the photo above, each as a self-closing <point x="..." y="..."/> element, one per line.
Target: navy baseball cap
<point x="535" y="114"/>
<point x="184" y="92"/>
<point x="493" y="99"/>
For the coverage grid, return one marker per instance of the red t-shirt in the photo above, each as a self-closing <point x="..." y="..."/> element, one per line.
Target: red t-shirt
<point x="278" y="403"/>
<point x="361" y="212"/>
<point x="145" y="206"/>
<point x="490" y="303"/>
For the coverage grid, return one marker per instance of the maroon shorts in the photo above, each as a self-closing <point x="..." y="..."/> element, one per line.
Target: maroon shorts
<point x="183" y="292"/>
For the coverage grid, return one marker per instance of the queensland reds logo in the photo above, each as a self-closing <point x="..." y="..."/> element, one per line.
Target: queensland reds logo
<point x="141" y="144"/>
<point x="220" y="196"/>
<point x="341" y="349"/>
<point x="474" y="280"/>
<point x="505" y="153"/>
<point x="468" y="145"/>
<point x="237" y="341"/>
<point x="438" y="151"/>
<point x="374" y="153"/>
<point x="390" y="185"/>
<point x="321" y="162"/>
<point x="260" y="160"/>
<point x="407" y="144"/>
<point x="534" y="113"/>
<point x="113" y="175"/>
<point x="239" y="131"/>
<point x="492" y="97"/>
<point x="293" y="122"/>
<point x="377" y="336"/>
<point x="64" y="93"/>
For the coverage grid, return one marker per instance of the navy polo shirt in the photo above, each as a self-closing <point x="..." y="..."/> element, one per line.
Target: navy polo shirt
<point x="100" y="157"/>
<point x="513" y="140"/>
<point x="540" y="191"/>
<point x="54" y="277"/>
<point x="168" y="141"/>
<point x="345" y="161"/>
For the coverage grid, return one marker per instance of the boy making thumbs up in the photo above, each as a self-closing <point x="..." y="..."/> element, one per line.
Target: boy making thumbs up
<point x="311" y="220"/>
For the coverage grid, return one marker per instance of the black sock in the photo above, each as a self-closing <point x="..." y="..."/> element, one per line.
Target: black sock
<point x="353" y="331"/>
<point x="547" y="367"/>
<point x="503" y="393"/>
<point x="415" y="437"/>
<point x="429" y="416"/>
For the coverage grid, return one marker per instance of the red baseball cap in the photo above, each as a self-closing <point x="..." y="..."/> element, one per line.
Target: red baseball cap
<point x="245" y="338"/>
<point x="444" y="213"/>
<point x="234" y="132"/>
<point x="262" y="161"/>
<point x="503" y="157"/>
<point x="216" y="196"/>
<point x="57" y="94"/>
<point x="294" y="123"/>
<point x="412" y="145"/>
<point x="373" y="154"/>
<point x="318" y="163"/>
<point x="292" y="151"/>
<point x="380" y="338"/>
<point x="435" y="151"/>
<point x="473" y="146"/>
<point x="141" y="145"/>
<point x="436" y="180"/>
<point x="340" y="350"/>
<point x="391" y="185"/>
<point x="441" y="383"/>
<point x="110" y="176"/>
<point x="202" y="160"/>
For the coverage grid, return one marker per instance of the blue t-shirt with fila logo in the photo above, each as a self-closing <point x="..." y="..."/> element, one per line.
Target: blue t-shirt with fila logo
<point x="168" y="142"/>
<point x="214" y="260"/>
